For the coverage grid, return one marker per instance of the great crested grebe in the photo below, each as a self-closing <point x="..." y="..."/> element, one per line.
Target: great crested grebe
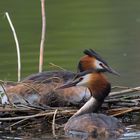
<point x="86" y="121"/>
<point x="40" y="88"/>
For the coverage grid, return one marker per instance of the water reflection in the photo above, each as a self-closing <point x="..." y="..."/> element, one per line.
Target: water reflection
<point x="132" y="133"/>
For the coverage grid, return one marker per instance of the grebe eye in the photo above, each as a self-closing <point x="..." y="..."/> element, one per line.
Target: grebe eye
<point x="81" y="78"/>
<point x="100" y="64"/>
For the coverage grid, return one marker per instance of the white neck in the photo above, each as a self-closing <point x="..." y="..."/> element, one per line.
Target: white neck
<point x="90" y="106"/>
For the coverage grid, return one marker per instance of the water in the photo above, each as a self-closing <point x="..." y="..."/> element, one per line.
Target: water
<point x="112" y="28"/>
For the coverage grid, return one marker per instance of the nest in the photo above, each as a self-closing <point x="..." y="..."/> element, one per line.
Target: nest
<point x="121" y="103"/>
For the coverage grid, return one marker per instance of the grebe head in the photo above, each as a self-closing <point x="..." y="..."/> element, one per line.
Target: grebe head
<point x="81" y="79"/>
<point x="95" y="81"/>
<point x="95" y="61"/>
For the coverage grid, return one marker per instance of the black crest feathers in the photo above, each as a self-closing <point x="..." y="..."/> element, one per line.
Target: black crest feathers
<point x="92" y="53"/>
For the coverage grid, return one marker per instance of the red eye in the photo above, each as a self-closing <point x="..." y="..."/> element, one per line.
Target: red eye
<point x="81" y="79"/>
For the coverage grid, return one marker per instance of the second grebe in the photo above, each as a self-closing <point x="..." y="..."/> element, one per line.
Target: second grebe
<point x="86" y="123"/>
<point x="40" y="88"/>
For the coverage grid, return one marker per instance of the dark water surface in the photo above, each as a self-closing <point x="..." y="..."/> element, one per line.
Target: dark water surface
<point x="110" y="27"/>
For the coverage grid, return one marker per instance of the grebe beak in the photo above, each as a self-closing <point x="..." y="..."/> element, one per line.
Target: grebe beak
<point x="77" y="79"/>
<point x="67" y="85"/>
<point x="110" y="70"/>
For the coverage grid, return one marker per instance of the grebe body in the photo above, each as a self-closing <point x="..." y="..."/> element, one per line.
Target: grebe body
<point x="39" y="89"/>
<point x="94" y="125"/>
<point x="85" y="121"/>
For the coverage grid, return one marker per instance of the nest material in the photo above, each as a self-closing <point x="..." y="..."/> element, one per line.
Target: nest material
<point x="14" y="117"/>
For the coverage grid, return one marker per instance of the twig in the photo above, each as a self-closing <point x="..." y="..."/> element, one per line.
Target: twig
<point x="53" y="123"/>
<point x="17" y="122"/>
<point x="9" y="82"/>
<point x="124" y="92"/>
<point x="17" y="45"/>
<point x="43" y="35"/>
<point x="120" y="112"/>
<point x="123" y="99"/>
<point x="37" y="115"/>
<point x="120" y="87"/>
<point x="30" y="86"/>
<point x="24" y="117"/>
<point x="54" y="65"/>
<point x="6" y="109"/>
<point x="51" y="78"/>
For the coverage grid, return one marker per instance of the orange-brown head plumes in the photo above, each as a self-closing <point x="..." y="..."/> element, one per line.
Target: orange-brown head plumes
<point x="94" y="61"/>
<point x="85" y="63"/>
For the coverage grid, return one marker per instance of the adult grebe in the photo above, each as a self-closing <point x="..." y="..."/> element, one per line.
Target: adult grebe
<point x="40" y="88"/>
<point x="86" y="123"/>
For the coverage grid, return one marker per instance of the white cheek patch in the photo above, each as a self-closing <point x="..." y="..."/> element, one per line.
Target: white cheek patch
<point x="85" y="80"/>
<point x="97" y="64"/>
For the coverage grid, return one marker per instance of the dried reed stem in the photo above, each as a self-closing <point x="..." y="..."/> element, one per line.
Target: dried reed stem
<point x="53" y="123"/>
<point x="54" y="65"/>
<point x="43" y="35"/>
<point x="17" y="45"/>
<point x="120" y="87"/>
<point x="124" y="92"/>
<point x="16" y="123"/>
<point x="64" y="112"/>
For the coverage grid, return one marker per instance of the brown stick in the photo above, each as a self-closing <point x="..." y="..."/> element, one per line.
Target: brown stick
<point x="120" y="87"/>
<point x="124" y="92"/>
<point x="18" y="122"/>
<point x="43" y="35"/>
<point x="122" y="111"/>
<point x="65" y="112"/>
<point x="15" y="110"/>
